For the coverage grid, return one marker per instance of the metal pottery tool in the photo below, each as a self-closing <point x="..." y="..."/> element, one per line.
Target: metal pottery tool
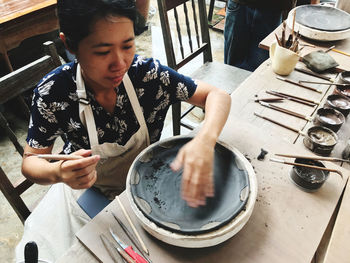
<point x="131" y="237"/>
<point x="289" y="112"/>
<point x="317" y="158"/>
<point x="54" y="156"/>
<point x="112" y="249"/>
<point x="292" y="98"/>
<point x="324" y="83"/>
<point x="280" y="124"/>
<point x="144" y="248"/>
<point x="308" y="72"/>
<point x="128" y="249"/>
<point x="307" y="166"/>
<point x="298" y="84"/>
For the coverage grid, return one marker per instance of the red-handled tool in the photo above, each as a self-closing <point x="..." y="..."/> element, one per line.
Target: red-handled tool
<point x="128" y="249"/>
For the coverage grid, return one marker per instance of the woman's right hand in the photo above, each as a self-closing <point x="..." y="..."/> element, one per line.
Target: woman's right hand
<point x="80" y="173"/>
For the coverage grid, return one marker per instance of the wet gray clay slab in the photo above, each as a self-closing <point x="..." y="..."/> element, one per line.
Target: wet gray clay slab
<point x="156" y="190"/>
<point x="324" y="18"/>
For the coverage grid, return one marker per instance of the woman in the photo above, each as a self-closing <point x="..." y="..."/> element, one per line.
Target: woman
<point x="111" y="104"/>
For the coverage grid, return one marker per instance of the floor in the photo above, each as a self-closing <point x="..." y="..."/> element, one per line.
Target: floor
<point x="11" y="228"/>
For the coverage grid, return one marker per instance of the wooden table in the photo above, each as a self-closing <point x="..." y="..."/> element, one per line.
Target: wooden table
<point x="20" y="20"/>
<point x="342" y="45"/>
<point x="287" y="224"/>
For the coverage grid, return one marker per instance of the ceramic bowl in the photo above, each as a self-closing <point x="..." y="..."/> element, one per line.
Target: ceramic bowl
<point x="153" y="191"/>
<point x="339" y="102"/>
<point x="308" y="179"/>
<point x="320" y="140"/>
<point x="330" y="118"/>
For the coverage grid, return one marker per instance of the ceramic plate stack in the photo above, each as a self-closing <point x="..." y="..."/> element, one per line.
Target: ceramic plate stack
<point x="154" y="194"/>
<point x="320" y="22"/>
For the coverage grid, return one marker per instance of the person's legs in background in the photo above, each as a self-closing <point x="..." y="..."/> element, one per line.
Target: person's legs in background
<point x="245" y="28"/>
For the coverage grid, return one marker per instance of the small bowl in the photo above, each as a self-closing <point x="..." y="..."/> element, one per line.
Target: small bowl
<point x="339" y="102"/>
<point x="320" y="140"/>
<point x="330" y="118"/>
<point x="308" y="179"/>
<point x="342" y="90"/>
<point x="344" y="77"/>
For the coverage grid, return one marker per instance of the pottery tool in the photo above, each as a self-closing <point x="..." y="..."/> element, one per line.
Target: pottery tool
<point x="280" y="124"/>
<point x="128" y="249"/>
<point x="329" y="49"/>
<point x="324" y="83"/>
<point x="340" y="52"/>
<point x="298" y="84"/>
<point x="308" y="72"/>
<point x="269" y="100"/>
<point x="307" y="166"/>
<point x="64" y="157"/>
<point x="289" y="112"/>
<point x="131" y="237"/>
<point x="316" y="158"/>
<point x="112" y="249"/>
<point x="144" y="248"/>
<point x="278" y="93"/>
<point x="291" y="98"/>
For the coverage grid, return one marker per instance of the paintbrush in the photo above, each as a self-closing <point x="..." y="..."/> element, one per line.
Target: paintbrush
<point x="324" y="83"/>
<point x="63" y="157"/>
<point x="291" y="99"/>
<point x="307" y="166"/>
<point x="298" y="84"/>
<point x="277" y="93"/>
<point x="289" y="112"/>
<point x="280" y="124"/>
<point x="317" y="158"/>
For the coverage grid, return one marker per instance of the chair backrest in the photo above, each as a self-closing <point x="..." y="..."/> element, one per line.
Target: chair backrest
<point x="13" y="85"/>
<point x="194" y="27"/>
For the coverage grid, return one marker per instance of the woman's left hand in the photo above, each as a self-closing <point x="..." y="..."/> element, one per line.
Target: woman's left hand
<point x="196" y="158"/>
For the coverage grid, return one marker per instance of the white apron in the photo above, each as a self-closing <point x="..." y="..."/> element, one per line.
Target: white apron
<point x="59" y="206"/>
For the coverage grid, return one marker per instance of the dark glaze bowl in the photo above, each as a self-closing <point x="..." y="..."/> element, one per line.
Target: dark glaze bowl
<point x="339" y="102"/>
<point x="344" y="77"/>
<point x="320" y="140"/>
<point x="308" y="179"/>
<point x="330" y="118"/>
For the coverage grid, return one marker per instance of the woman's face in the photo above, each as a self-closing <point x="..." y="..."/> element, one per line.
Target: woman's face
<point x="106" y="54"/>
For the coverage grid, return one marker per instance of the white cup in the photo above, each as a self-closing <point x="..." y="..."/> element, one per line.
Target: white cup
<point x="283" y="59"/>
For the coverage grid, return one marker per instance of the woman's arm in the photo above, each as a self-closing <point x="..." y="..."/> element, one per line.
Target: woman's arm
<point x="78" y="174"/>
<point x="197" y="156"/>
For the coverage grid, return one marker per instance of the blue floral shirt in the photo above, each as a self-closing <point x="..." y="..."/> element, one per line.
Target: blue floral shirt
<point x="55" y="106"/>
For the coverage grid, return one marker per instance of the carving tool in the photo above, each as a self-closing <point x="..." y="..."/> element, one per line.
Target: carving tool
<point x="274" y="107"/>
<point x="128" y="249"/>
<point x="144" y="248"/>
<point x="269" y="100"/>
<point x="298" y="100"/>
<point x="54" y="156"/>
<point x="131" y="237"/>
<point x="323" y="83"/>
<point x="307" y="166"/>
<point x="280" y="124"/>
<point x="308" y="72"/>
<point x="112" y="249"/>
<point x="281" y="94"/>
<point x="317" y="158"/>
<point x="298" y="84"/>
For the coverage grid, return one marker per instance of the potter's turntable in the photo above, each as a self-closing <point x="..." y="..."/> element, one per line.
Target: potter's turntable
<point x="153" y="191"/>
<point x="320" y="22"/>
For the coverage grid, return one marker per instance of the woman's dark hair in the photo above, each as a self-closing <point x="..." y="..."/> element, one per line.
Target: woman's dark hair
<point x="76" y="17"/>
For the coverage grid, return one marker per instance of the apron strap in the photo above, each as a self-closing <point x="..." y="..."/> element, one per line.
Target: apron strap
<point x="135" y="105"/>
<point x="85" y="111"/>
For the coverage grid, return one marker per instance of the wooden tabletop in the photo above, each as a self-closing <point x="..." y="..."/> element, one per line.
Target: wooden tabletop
<point x="342" y="45"/>
<point x="287" y="223"/>
<point x="12" y="9"/>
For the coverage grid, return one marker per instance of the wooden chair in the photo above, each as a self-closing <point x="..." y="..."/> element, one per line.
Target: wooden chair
<point x="12" y="85"/>
<point x="193" y="23"/>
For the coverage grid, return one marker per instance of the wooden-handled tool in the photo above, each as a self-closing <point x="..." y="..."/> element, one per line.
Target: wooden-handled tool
<point x="317" y="158"/>
<point x="298" y="84"/>
<point x="289" y="112"/>
<point x="307" y="166"/>
<point x="324" y="83"/>
<point x="54" y="156"/>
<point x="281" y="94"/>
<point x="311" y="104"/>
